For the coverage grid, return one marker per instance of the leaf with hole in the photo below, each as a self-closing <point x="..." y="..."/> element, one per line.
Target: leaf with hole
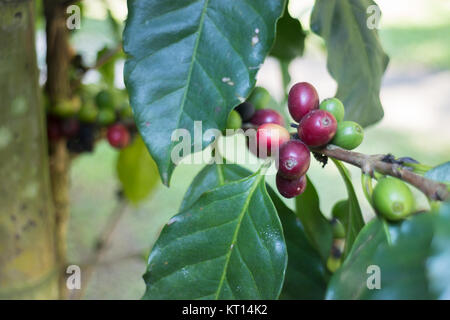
<point x="192" y="61"/>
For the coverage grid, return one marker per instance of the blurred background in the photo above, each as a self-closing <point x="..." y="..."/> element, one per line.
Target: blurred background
<point x="415" y="95"/>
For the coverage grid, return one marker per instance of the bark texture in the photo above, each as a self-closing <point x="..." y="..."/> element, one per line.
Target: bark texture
<point x="28" y="263"/>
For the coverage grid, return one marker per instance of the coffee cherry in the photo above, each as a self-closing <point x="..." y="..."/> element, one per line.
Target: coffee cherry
<point x="348" y="135"/>
<point x="302" y="99"/>
<point x="260" y="98"/>
<point x="118" y="136"/>
<point x="70" y="127"/>
<point x="105" y="100"/>
<point x="339" y="207"/>
<point x="294" y="159"/>
<point x="267" y="116"/>
<point x="106" y="117"/>
<point x="67" y="107"/>
<point x="53" y="128"/>
<point x="334" y="260"/>
<point x="84" y="141"/>
<point x="392" y="199"/>
<point x="246" y="110"/>
<point x="88" y="113"/>
<point x="234" y="120"/>
<point x="317" y="128"/>
<point x="335" y="107"/>
<point x="338" y="229"/>
<point x="270" y="136"/>
<point x="290" y="188"/>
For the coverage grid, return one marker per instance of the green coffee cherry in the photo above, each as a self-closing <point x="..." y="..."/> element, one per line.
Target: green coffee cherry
<point x="106" y="117"/>
<point x="234" y="120"/>
<point x="333" y="264"/>
<point x="126" y="112"/>
<point x="335" y="107"/>
<point x="338" y="229"/>
<point x="392" y="199"/>
<point x="348" y="135"/>
<point x="334" y="260"/>
<point x="105" y="100"/>
<point x="88" y="113"/>
<point x="339" y="207"/>
<point x="259" y="98"/>
<point x="66" y="108"/>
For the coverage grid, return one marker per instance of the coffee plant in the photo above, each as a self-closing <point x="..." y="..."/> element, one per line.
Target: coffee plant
<point x="190" y="71"/>
<point x="234" y="238"/>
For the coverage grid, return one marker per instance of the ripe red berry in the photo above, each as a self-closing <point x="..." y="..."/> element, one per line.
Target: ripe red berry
<point x="302" y="99"/>
<point x="70" y="127"/>
<point x="317" y="128"/>
<point x="267" y="116"/>
<point x="294" y="159"/>
<point x="53" y="129"/>
<point x="118" y="136"/>
<point x="290" y="188"/>
<point x="246" y="110"/>
<point x="269" y="137"/>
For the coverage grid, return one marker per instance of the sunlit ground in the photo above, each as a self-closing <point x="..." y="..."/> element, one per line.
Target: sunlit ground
<point x="415" y="96"/>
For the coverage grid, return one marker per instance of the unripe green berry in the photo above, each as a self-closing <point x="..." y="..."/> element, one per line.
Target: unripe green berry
<point x="335" y="107"/>
<point x="234" y="120"/>
<point x="260" y="98"/>
<point x="338" y="229"/>
<point x="349" y="135"/>
<point x="392" y="199"/>
<point x="88" y="113"/>
<point x="106" y="117"/>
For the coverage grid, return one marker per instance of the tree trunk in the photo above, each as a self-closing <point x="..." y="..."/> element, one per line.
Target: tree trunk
<point x="28" y="261"/>
<point x="59" y="56"/>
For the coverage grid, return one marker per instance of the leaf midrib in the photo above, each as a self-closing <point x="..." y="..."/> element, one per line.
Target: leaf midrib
<point x="191" y="68"/>
<point x="235" y="235"/>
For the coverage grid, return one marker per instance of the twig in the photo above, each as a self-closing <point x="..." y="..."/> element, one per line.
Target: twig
<point x="370" y="163"/>
<point x="103" y="59"/>
<point x="101" y="247"/>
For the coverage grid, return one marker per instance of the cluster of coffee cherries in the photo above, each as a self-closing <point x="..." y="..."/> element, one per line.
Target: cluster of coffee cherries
<point x="318" y="123"/>
<point x="85" y="119"/>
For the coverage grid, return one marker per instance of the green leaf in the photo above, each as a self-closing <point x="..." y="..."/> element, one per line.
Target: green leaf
<point x="356" y="59"/>
<point x="317" y="227"/>
<point x="438" y="262"/>
<point x="289" y="39"/>
<point x="440" y="173"/>
<point x="137" y="171"/>
<point x="306" y="276"/>
<point x="414" y="266"/>
<point x="351" y="216"/>
<point x="192" y="61"/>
<point x="228" y="245"/>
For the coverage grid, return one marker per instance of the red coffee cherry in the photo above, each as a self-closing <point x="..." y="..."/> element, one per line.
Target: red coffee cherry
<point x="267" y="116"/>
<point x="70" y="127"/>
<point x="246" y="110"/>
<point x="290" y="188"/>
<point x="53" y="128"/>
<point x="270" y="136"/>
<point x="118" y="136"/>
<point x="294" y="159"/>
<point x="317" y="128"/>
<point x="302" y="99"/>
